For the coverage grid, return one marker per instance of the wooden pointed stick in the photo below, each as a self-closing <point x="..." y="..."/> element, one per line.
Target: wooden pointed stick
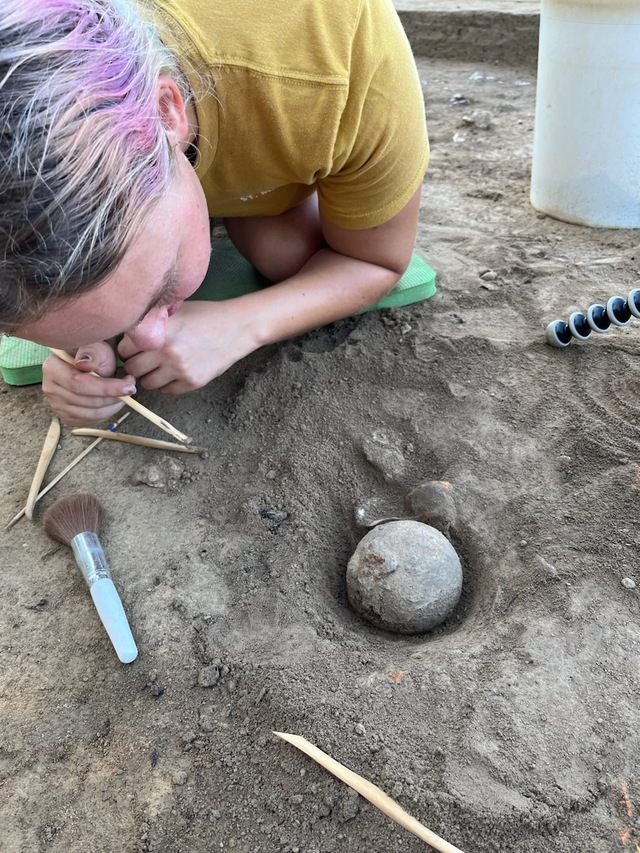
<point x="46" y="455"/>
<point x="370" y="792"/>
<point x="134" y="404"/>
<point x="62" y="473"/>
<point x="137" y="439"/>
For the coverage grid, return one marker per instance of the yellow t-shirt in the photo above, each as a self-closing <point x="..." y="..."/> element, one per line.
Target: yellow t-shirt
<point x="294" y="96"/>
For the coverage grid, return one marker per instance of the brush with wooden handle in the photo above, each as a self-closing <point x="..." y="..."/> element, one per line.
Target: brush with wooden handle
<point x="75" y="521"/>
<point x="134" y="404"/>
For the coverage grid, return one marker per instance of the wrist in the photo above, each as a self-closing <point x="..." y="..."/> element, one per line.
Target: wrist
<point x="261" y="318"/>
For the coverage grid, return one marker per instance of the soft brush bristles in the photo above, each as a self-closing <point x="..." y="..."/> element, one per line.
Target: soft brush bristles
<point x="74" y="514"/>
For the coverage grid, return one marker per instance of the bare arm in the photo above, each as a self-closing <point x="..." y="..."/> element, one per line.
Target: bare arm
<point x="356" y="269"/>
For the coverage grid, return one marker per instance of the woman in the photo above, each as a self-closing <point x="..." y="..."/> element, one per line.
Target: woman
<point x="127" y="125"/>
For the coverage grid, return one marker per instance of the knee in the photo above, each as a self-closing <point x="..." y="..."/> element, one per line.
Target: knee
<point x="282" y="255"/>
<point x="278" y="246"/>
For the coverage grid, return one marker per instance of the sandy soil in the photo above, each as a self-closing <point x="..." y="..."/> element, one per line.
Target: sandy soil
<point x="512" y="727"/>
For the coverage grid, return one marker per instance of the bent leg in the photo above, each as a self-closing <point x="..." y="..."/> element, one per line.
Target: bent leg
<point x="279" y="246"/>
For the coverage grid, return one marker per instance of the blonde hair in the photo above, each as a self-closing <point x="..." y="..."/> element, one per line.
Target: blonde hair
<point x="83" y="151"/>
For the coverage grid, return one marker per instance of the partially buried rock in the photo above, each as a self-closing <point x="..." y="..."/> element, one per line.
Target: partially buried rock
<point x="149" y="474"/>
<point x="384" y="453"/>
<point x="404" y="576"/>
<point x="482" y="119"/>
<point x="159" y="475"/>
<point x="432" y="502"/>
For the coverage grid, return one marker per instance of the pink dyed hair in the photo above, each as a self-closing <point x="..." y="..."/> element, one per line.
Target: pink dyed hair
<point x="83" y="152"/>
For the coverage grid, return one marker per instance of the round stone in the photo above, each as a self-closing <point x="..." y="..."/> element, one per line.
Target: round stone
<point x="404" y="576"/>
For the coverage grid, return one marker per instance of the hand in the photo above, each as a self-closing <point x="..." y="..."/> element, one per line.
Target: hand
<point x="78" y="398"/>
<point x="203" y="339"/>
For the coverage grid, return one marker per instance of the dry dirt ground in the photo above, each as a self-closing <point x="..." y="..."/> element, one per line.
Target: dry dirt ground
<point x="514" y="727"/>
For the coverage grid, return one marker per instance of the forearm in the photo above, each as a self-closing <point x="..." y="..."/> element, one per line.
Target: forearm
<point x="203" y="339"/>
<point x="329" y="287"/>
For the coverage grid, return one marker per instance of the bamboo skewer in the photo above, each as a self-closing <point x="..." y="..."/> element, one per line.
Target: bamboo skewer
<point x="46" y="455"/>
<point x="137" y="439"/>
<point x="134" y="404"/>
<point x="62" y="473"/>
<point x="370" y="792"/>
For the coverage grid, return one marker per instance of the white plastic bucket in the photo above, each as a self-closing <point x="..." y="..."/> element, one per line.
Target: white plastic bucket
<point x="586" y="147"/>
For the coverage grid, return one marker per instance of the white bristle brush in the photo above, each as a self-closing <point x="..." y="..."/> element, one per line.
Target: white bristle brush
<point x="75" y="521"/>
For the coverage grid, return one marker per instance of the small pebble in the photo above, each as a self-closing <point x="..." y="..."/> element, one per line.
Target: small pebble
<point x="482" y="119"/>
<point x="489" y="275"/>
<point x="628" y="583"/>
<point x="459" y="100"/>
<point x="208" y="676"/>
<point x="348" y="806"/>
<point x="149" y="475"/>
<point x="548" y="567"/>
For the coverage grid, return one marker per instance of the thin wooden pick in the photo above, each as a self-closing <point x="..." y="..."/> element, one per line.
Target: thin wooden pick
<point x="46" y="455"/>
<point x="134" y="404"/>
<point x="62" y="473"/>
<point x="370" y="792"/>
<point x="137" y="439"/>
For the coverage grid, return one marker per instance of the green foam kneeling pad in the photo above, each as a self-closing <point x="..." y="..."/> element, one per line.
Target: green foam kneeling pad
<point x="229" y="275"/>
<point x="417" y="283"/>
<point x="21" y="361"/>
